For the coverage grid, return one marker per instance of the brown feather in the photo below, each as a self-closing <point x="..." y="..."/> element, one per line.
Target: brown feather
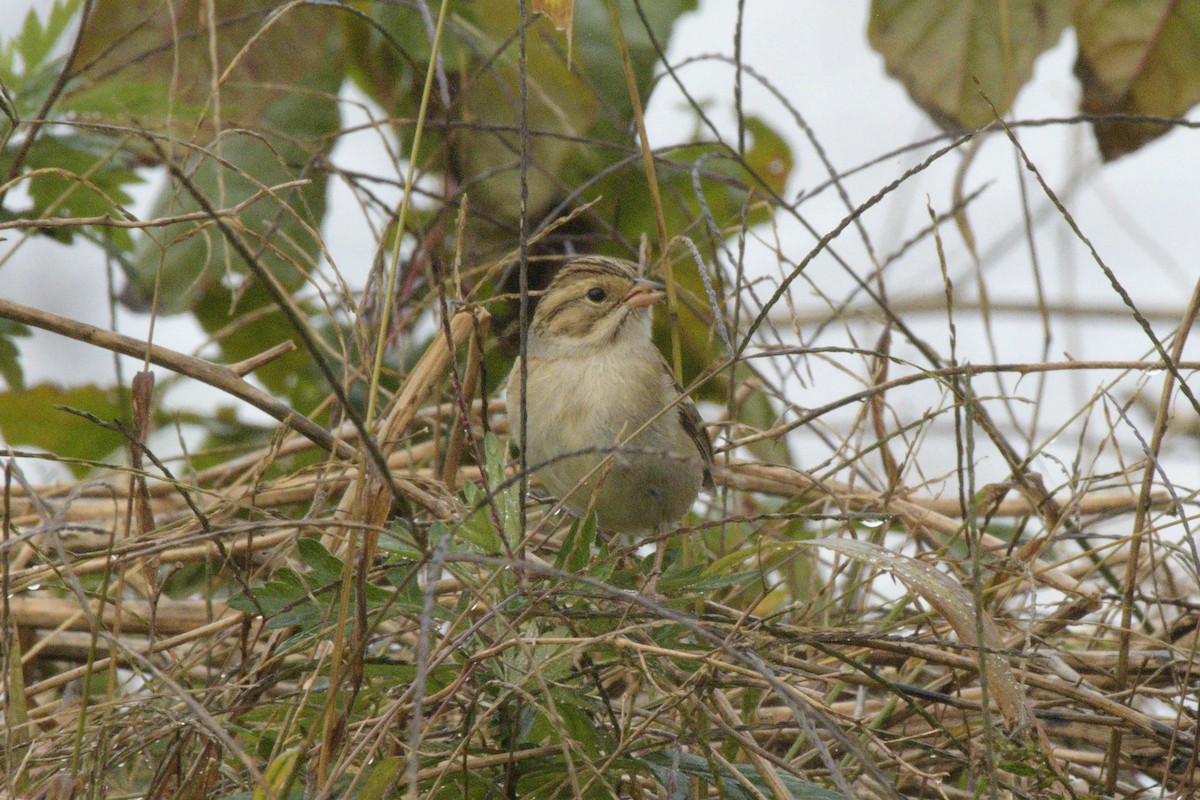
<point x="693" y="426"/>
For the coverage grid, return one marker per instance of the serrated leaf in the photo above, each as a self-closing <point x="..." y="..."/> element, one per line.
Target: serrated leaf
<point x="274" y="596"/>
<point x="88" y="175"/>
<point x="1136" y="57"/>
<point x="940" y="49"/>
<point x="36" y="40"/>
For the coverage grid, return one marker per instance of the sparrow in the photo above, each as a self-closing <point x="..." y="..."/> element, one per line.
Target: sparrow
<point x="607" y="426"/>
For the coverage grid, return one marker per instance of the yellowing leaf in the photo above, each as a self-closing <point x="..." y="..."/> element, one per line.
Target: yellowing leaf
<point x="278" y="775"/>
<point x="1137" y="57"/>
<point x="939" y="48"/>
<point x="769" y="155"/>
<point x="560" y="12"/>
<point x="144" y="40"/>
<point x="559" y="101"/>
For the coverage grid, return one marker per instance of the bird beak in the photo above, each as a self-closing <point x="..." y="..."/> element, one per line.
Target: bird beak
<point x="644" y="293"/>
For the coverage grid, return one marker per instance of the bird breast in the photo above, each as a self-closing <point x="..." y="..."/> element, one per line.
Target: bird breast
<point x="592" y="403"/>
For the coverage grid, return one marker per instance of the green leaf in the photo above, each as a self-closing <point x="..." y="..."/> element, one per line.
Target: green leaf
<point x="602" y="565"/>
<point x="36" y="40"/>
<point x="277" y="775"/>
<point x="478" y="529"/>
<point x="668" y="766"/>
<point x="1136" y="57"/>
<point x="560" y="101"/>
<point x="398" y="542"/>
<point x="1018" y="768"/>
<point x="379" y="779"/>
<point x="577" y="725"/>
<point x="285" y="602"/>
<point x="87" y="178"/>
<point x="696" y="579"/>
<point x="769" y="155"/>
<point x="194" y="258"/>
<point x="587" y="98"/>
<point x="278" y="110"/>
<point x="598" y="58"/>
<point x="947" y="52"/>
<point x="29" y="417"/>
<point x="10" y="356"/>
<point x="505" y="497"/>
<point x="149" y="100"/>
<point x="324" y="567"/>
<point x="576" y="551"/>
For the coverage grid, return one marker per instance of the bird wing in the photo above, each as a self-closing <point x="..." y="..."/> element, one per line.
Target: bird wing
<point x="693" y="426"/>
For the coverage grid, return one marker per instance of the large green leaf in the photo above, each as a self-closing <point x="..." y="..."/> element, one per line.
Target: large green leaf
<point x="391" y="62"/>
<point x="260" y="55"/>
<point x="29" y="418"/>
<point x="195" y="258"/>
<point x="1137" y="57"/>
<point x="599" y="59"/>
<point x="567" y="102"/>
<point x="256" y="114"/>
<point x="939" y="48"/>
<point x="247" y="325"/>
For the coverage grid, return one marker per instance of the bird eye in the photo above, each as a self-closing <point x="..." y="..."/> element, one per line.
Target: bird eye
<point x="596" y="294"/>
